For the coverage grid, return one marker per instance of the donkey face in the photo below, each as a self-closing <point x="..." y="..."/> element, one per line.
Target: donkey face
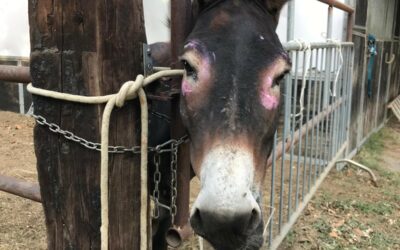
<point x="230" y="103"/>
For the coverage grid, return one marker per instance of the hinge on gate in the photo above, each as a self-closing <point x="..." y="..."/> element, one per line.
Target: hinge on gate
<point x="148" y="65"/>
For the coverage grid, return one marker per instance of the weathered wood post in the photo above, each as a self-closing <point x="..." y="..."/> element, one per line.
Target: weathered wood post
<point x="181" y="21"/>
<point x="88" y="48"/>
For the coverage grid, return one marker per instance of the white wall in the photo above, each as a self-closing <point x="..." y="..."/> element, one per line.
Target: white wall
<point x="14" y="28"/>
<point x="310" y="23"/>
<point x="156" y="14"/>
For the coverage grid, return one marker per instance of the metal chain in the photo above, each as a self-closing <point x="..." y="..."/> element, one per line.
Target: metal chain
<point x="162" y="148"/>
<point x="174" y="192"/>
<point x="157" y="180"/>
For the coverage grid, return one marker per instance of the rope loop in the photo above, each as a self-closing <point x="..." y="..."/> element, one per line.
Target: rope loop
<point x="128" y="90"/>
<point x="304" y="46"/>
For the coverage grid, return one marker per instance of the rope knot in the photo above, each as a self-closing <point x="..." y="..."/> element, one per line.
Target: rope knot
<point x="128" y="91"/>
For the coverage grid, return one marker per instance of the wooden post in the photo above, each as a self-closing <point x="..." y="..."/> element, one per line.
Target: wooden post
<point x="181" y="15"/>
<point x="88" y="48"/>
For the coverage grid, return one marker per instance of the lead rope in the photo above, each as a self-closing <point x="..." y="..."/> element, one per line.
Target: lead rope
<point x="337" y="73"/>
<point x="128" y="91"/>
<point x="306" y="48"/>
<point x="272" y="209"/>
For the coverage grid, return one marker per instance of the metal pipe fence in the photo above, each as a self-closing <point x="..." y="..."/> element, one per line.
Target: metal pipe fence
<point x="12" y="95"/>
<point x="312" y="135"/>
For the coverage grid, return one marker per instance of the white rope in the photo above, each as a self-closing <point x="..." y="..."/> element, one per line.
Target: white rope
<point x="337" y="73"/>
<point x="306" y="48"/>
<point x="267" y="223"/>
<point x="128" y="91"/>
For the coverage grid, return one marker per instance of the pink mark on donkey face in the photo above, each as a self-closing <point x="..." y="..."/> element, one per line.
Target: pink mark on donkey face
<point x="186" y="88"/>
<point x="268" y="95"/>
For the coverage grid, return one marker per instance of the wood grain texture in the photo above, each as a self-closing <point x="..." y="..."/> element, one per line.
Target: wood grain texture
<point x="181" y="22"/>
<point x="88" y="48"/>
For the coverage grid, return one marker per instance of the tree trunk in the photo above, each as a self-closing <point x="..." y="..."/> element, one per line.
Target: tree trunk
<point x="87" y="48"/>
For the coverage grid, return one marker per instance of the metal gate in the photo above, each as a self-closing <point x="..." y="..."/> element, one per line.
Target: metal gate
<point x="313" y="131"/>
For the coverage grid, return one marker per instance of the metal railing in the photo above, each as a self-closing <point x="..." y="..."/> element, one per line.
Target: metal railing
<point x="17" y="61"/>
<point x="308" y="141"/>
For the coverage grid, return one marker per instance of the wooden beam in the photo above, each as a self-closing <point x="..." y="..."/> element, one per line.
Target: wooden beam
<point x="88" y="48"/>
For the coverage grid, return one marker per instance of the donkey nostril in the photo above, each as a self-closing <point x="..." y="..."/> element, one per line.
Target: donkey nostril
<point x="255" y="219"/>
<point x="195" y="221"/>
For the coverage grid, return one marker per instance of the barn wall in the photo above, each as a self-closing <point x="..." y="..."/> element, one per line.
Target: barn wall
<point x="358" y="79"/>
<point x="368" y="113"/>
<point x="395" y="72"/>
<point x="396" y="30"/>
<point x="371" y="101"/>
<point x="361" y="13"/>
<point x="380" y="18"/>
<point x="384" y="84"/>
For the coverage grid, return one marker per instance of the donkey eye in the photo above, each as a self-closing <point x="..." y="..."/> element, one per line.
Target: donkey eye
<point x="280" y="78"/>
<point x="190" y="71"/>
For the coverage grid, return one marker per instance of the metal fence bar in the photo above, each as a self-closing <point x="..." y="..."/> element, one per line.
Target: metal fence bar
<point x="337" y="117"/>
<point x="21" y="98"/>
<point x="312" y="149"/>
<point x="345" y="90"/>
<point x="349" y="90"/>
<point x="318" y="146"/>
<point x="288" y="93"/>
<point x="272" y="192"/>
<point x="293" y="126"/>
<point x="326" y="98"/>
<point x="308" y="87"/>
<point x="332" y="121"/>
<point x="308" y="132"/>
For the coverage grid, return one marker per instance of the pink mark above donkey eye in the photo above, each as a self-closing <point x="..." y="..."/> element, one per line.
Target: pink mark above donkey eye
<point x="268" y="100"/>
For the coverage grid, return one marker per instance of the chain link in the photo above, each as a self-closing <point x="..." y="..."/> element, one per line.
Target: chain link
<point x="170" y="146"/>
<point x="174" y="192"/>
<point x="157" y="180"/>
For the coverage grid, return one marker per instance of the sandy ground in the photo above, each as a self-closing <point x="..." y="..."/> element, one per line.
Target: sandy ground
<point x="326" y="223"/>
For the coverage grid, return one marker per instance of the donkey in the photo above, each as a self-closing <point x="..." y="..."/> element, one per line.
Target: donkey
<point x="230" y="98"/>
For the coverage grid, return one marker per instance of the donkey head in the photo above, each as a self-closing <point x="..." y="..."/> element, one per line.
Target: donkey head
<point x="233" y="64"/>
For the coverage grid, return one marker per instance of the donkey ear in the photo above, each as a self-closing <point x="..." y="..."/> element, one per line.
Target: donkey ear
<point x="274" y="7"/>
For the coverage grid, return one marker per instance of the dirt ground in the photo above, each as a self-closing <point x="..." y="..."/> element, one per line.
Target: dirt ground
<point x="21" y="221"/>
<point x="347" y="212"/>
